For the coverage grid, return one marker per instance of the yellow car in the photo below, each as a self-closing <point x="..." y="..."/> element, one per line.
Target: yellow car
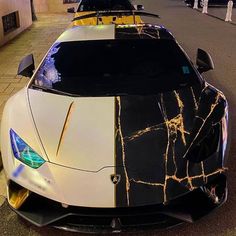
<point x="87" y="12"/>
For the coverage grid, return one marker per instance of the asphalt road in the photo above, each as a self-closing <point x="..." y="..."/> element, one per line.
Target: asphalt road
<point x="192" y="29"/>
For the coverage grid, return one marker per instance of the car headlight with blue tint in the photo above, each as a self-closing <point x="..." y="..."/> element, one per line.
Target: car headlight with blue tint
<point x="24" y="153"/>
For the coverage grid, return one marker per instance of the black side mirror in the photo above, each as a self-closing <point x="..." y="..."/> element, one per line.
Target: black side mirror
<point x="71" y="10"/>
<point x="204" y="61"/>
<point x="26" y="67"/>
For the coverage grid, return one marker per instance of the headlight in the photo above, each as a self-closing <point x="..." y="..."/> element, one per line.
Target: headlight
<point x="25" y="153"/>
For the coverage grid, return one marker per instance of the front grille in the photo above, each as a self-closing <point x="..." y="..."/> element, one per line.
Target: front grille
<point x="116" y="224"/>
<point x="125" y="221"/>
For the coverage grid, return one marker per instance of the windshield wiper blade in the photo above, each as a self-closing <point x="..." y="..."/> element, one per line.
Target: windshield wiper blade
<point x="55" y="91"/>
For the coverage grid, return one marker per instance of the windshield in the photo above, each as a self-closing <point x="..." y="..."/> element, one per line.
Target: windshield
<point x="115" y="67"/>
<point x="102" y="5"/>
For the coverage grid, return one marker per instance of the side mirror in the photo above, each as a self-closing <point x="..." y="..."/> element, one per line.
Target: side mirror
<point x="139" y="7"/>
<point x="204" y="61"/>
<point x="26" y="67"/>
<point x="71" y="10"/>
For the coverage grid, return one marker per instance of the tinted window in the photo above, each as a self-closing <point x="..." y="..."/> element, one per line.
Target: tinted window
<point x="101" y="5"/>
<point x="114" y="67"/>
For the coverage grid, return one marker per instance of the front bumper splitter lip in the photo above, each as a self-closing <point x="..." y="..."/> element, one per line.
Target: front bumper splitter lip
<point x="187" y="208"/>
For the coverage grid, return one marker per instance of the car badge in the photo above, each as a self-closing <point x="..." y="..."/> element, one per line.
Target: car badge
<point x="115" y="179"/>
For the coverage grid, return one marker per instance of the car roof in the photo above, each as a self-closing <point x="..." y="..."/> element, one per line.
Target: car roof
<point x="108" y="32"/>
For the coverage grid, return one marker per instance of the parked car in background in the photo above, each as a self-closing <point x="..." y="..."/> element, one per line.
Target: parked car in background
<point x="104" y="5"/>
<point x="87" y="7"/>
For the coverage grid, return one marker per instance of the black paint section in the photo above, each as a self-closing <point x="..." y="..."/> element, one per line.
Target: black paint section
<point x="141" y="194"/>
<point x="120" y="188"/>
<point x="158" y="153"/>
<point x="142" y="32"/>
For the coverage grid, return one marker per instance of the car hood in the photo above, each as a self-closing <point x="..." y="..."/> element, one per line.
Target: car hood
<point x="75" y="132"/>
<point x="145" y="137"/>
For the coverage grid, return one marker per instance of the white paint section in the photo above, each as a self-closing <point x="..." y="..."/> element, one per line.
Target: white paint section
<point x="17" y="116"/>
<point x="69" y="186"/>
<point x="86" y="189"/>
<point x="88" y="142"/>
<point x="89" y="138"/>
<point x="84" y="33"/>
<point x="65" y="185"/>
<point x="49" y="113"/>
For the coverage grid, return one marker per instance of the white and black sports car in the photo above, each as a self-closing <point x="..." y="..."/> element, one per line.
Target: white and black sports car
<point x="115" y="131"/>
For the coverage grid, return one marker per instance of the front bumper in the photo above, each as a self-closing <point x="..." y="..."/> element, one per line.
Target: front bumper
<point x="187" y="208"/>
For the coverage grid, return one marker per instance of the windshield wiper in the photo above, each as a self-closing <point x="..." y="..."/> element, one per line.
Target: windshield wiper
<point x="55" y="91"/>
